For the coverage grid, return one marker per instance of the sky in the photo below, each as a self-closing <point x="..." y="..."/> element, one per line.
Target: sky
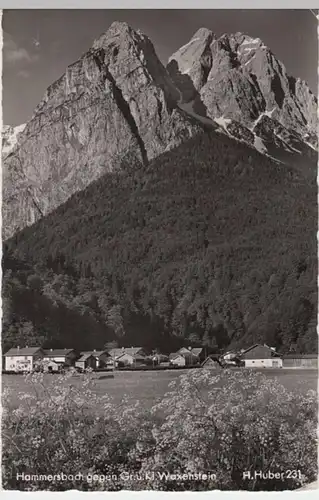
<point x="40" y="44"/>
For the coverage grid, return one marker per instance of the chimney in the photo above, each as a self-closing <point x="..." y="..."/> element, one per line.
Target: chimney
<point x="51" y="349"/>
<point x="94" y="350"/>
<point x="18" y="347"/>
<point x="26" y="346"/>
<point x="123" y="348"/>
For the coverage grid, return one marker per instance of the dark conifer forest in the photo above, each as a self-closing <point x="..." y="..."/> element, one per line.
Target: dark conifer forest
<point x="209" y="244"/>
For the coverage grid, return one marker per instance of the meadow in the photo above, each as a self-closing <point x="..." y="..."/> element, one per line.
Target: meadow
<point x="141" y="423"/>
<point x="148" y="387"/>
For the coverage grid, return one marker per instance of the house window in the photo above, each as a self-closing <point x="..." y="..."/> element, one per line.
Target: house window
<point x="26" y="357"/>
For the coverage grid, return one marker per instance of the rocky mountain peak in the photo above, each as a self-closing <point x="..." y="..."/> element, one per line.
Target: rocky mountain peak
<point x="190" y="65"/>
<point x="117" y="101"/>
<point x="236" y="77"/>
<point x="119" y="33"/>
<point x="203" y="34"/>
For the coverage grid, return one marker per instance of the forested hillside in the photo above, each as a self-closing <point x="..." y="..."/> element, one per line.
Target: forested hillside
<point x="210" y="243"/>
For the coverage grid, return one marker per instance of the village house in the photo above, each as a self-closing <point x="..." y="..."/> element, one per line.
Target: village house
<point x="86" y="361"/>
<point x="128" y="359"/>
<point x="125" y="356"/>
<point x="20" y="359"/>
<point x="295" y="360"/>
<point x="199" y="352"/>
<point x="56" y="359"/>
<point x="261" y="356"/>
<point x="183" y="358"/>
<point x="102" y="358"/>
<point x="212" y="361"/>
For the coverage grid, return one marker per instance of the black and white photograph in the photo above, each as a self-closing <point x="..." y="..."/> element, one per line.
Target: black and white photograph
<point x="159" y="250"/>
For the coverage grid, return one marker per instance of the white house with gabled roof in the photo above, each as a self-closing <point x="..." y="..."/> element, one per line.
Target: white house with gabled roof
<point x="22" y="359"/>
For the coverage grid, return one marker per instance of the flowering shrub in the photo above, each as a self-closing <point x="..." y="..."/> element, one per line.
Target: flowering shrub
<point x="224" y="424"/>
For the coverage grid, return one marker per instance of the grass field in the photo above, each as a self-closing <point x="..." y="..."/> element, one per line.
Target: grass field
<point x="149" y="386"/>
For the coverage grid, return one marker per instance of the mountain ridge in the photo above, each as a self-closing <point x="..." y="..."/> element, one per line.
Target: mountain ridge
<point x="118" y="99"/>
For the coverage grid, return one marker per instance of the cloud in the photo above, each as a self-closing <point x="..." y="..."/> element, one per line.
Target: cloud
<point x="13" y="53"/>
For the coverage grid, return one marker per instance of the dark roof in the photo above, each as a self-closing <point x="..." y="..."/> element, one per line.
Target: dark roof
<point x="258" y="345"/>
<point x="56" y="352"/>
<point x="119" y="351"/>
<point x="85" y="356"/>
<point x="135" y="356"/>
<point x="94" y="353"/>
<point x="300" y="356"/>
<point x="173" y="355"/>
<point x="185" y="355"/>
<point x="197" y="350"/>
<point x="22" y="351"/>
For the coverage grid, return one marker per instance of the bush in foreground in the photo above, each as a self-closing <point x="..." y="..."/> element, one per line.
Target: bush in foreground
<point x="221" y="424"/>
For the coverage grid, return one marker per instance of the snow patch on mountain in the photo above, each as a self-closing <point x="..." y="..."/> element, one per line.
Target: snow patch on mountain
<point x="223" y="122"/>
<point x="259" y="144"/>
<point x="188" y="107"/>
<point x="251" y="41"/>
<point x="265" y="113"/>
<point x="287" y="147"/>
<point x="10" y="137"/>
<point x="311" y="146"/>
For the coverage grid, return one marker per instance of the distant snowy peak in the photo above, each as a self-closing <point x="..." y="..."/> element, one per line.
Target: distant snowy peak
<point x="10" y="136"/>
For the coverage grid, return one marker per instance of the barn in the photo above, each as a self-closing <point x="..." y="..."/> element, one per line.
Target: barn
<point x="261" y="356"/>
<point x="295" y="360"/>
<point x="19" y="359"/>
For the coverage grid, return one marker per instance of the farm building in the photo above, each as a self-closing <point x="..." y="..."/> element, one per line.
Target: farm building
<point x="183" y="359"/>
<point x="102" y="357"/>
<point x="199" y="352"/>
<point x="62" y="357"/>
<point x="50" y="366"/>
<point x="119" y="351"/>
<point x="86" y="361"/>
<point x="127" y="356"/>
<point x="300" y="360"/>
<point x="261" y="356"/>
<point x="19" y="359"/>
<point x="128" y="359"/>
<point x="212" y="362"/>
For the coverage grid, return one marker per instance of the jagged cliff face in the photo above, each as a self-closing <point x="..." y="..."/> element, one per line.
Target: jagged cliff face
<point x="117" y="100"/>
<point x="239" y="80"/>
